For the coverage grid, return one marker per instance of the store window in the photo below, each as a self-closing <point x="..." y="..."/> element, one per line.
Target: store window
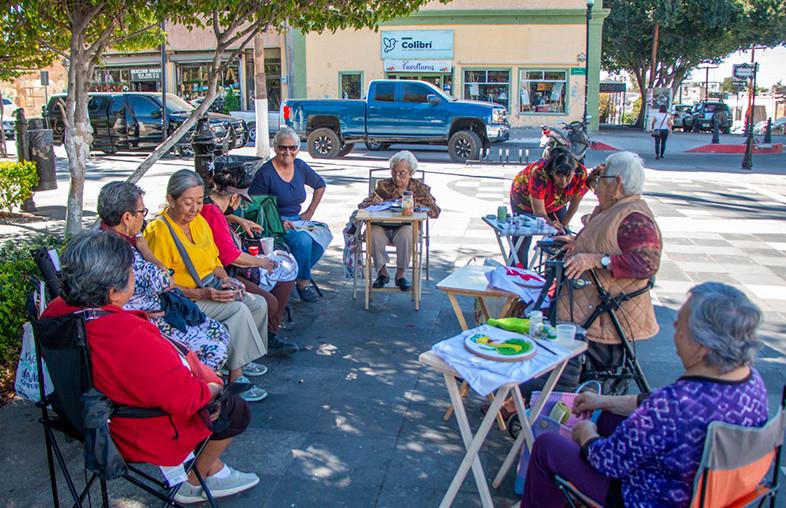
<point x="542" y="91"/>
<point x="351" y="85"/>
<point x="487" y="85"/>
<point x="272" y="78"/>
<point x="192" y="82"/>
<point x="126" y="79"/>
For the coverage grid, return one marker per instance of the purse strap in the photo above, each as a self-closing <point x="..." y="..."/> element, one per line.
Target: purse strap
<point x="183" y="253"/>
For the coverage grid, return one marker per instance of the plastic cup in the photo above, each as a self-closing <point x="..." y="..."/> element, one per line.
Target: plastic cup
<point x="565" y="334"/>
<point x="267" y="245"/>
<point x="253" y="250"/>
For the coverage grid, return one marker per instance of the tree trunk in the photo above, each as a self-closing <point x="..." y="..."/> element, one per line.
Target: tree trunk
<point x="3" y="151"/>
<point x="260" y="98"/>
<point x="639" y="74"/>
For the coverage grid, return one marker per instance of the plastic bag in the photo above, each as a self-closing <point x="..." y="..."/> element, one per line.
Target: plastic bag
<point x="26" y="383"/>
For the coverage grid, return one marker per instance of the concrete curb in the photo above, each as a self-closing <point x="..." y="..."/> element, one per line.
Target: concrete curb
<point x="717" y="148"/>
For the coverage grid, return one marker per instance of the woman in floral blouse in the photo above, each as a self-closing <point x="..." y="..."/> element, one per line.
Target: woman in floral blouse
<point x="551" y="188"/>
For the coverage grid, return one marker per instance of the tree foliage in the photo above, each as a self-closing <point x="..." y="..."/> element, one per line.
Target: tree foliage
<point x="690" y="32"/>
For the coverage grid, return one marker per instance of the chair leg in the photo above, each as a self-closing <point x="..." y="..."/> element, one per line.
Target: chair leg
<point x="52" y="473"/>
<point x="64" y="468"/>
<point x="104" y="494"/>
<point x="319" y="291"/>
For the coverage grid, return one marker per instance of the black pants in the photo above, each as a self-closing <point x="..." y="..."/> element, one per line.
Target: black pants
<point x="523" y="250"/>
<point x="660" y="142"/>
<point x="235" y="409"/>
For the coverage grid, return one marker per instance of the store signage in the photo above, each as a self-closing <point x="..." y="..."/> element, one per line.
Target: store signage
<point x="416" y="44"/>
<point x="418" y="65"/>
<point x="743" y="71"/>
<point x="145" y="74"/>
<point x="578" y="71"/>
<point x="613" y="87"/>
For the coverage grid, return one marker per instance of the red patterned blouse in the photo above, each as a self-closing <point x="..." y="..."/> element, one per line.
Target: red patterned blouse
<point x="533" y="182"/>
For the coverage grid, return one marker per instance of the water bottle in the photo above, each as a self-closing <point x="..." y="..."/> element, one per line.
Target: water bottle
<point x="535" y="323"/>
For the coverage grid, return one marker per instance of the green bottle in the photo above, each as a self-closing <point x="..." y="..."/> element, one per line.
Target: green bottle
<point x="513" y="324"/>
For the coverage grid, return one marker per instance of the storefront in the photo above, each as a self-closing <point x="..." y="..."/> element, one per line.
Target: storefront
<point x="530" y="60"/>
<point x="272" y="78"/>
<point x="192" y="79"/>
<point x="126" y="79"/>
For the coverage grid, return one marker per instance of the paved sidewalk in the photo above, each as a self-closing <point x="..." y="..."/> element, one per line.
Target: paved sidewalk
<point x="354" y="420"/>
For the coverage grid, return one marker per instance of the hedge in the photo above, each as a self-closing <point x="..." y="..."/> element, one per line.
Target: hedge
<point x="17" y="181"/>
<point x="16" y="268"/>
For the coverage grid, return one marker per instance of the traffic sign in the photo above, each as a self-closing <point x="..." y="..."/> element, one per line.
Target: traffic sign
<point x="743" y="71"/>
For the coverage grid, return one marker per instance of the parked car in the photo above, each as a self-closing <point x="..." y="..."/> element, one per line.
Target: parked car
<point x="9" y="107"/>
<point x="131" y="121"/>
<point x="778" y="127"/>
<point x="701" y="116"/>
<point x="678" y="114"/>
<point x="9" y="127"/>
<point x="250" y="117"/>
<point x="397" y="111"/>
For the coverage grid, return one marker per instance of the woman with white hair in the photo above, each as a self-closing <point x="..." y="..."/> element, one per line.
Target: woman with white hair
<point x="286" y="177"/>
<point x="645" y="449"/>
<point x="402" y="166"/>
<point x="622" y="243"/>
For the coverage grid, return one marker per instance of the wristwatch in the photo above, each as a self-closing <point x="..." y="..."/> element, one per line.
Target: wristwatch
<point x="605" y="261"/>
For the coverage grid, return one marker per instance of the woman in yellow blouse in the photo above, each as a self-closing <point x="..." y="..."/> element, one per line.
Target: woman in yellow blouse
<point x="221" y="298"/>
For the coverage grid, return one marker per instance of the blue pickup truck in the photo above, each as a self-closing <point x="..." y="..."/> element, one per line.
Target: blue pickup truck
<point x="397" y="111"/>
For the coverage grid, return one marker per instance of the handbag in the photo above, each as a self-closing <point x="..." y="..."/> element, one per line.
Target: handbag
<point x="544" y="423"/>
<point x="26" y="383"/>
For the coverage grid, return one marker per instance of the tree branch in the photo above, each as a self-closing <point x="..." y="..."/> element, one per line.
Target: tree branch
<point x="133" y="34"/>
<point x="239" y="49"/>
<point x="52" y="48"/>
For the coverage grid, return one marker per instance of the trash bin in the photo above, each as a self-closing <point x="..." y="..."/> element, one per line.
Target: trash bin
<point x="249" y="162"/>
<point x="42" y="152"/>
<point x="35" y="123"/>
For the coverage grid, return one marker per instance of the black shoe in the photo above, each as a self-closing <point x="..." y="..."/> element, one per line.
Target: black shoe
<point x="278" y="347"/>
<point x="403" y="284"/>
<point x="381" y="281"/>
<point x="307" y="294"/>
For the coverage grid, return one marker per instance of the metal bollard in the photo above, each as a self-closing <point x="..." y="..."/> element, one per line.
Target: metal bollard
<point x="22" y="150"/>
<point x="715" y="132"/>
<point x="768" y="134"/>
<point x="204" y="144"/>
<point x="42" y="152"/>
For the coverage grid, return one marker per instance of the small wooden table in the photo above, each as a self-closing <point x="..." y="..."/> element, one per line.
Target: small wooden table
<point x="396" y="219"/>
<point x="472" y="443"/>
<point x="470" y="280"/>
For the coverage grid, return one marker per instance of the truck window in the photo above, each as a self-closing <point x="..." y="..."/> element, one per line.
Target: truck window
<point x="385" y="92"/>
<point x="142" y="106"/>
<point x="415" y="93"/>
<point x="117" y="105"/>
<point x="97" y="104"/>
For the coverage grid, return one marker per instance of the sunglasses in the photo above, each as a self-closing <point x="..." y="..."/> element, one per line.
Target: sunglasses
<point x="291" y="148"/>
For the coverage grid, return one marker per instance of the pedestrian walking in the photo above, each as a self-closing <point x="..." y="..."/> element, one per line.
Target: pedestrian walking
<point x="660" y="128"/>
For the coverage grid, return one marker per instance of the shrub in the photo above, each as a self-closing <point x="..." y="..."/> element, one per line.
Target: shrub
<point x="231" y="101"/>
<point x="17" y="181"/>
<point x="16" y="268"/>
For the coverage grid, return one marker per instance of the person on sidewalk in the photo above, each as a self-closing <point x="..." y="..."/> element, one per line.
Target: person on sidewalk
<point x="645" y="449"/>
<point x="286" y="177"/>
<point x="230" y="189"/>
<point x="181" y="238"/>
<point x="660" y="127"/>
<point x="402" y="167"/>
<point x="552" y="188"/>
<point x="134" y="365"/>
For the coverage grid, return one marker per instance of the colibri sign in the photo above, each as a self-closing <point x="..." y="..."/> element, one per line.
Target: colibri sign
<point x="744" y="71"/>
<point x="416" y="44"/>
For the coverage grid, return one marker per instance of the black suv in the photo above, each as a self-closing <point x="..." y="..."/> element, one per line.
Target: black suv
<point x="131" y="121"/>
<point x="700" y="118"/>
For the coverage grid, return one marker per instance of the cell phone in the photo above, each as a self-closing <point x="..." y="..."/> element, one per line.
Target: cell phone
<point x="230" y="390"/>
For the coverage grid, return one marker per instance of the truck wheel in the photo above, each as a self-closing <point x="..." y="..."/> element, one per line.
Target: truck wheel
<point x="375" y="146"/>
<point x="185" y="151"/>
<point x="324" y="143"/>
<point x="464" y="145"/>
<point x="346" y="149"/>
<point x="252" y="132"/>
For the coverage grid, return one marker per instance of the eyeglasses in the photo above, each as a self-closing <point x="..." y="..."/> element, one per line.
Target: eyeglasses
<point x="400" y="173"/>
<point x="291" y="148"/>
<point x="142" y="211"/>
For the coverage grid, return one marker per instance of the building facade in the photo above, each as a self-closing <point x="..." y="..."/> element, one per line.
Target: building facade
<point x="528" y="56"/>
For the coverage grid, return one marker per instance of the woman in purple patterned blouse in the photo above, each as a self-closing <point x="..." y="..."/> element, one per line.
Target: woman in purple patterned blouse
<point x="645" y="449"/>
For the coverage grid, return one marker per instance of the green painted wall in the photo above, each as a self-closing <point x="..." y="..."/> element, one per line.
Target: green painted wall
<point x="297" y="87"/>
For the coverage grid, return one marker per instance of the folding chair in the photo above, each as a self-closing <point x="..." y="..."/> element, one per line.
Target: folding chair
<point x="63" y="344"/>
<point x="374" y="176"/>
<point x="733" y="468"/>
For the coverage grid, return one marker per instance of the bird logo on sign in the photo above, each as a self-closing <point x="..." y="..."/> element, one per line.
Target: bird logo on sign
<point x="389" y="44"/>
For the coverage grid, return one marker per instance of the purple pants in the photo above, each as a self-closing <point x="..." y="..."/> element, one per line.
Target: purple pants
<point x="553" y="454"/>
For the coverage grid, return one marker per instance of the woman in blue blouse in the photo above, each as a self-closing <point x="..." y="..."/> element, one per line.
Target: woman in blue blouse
<point x="646" y="449"/>
<point x="285" y="176"/>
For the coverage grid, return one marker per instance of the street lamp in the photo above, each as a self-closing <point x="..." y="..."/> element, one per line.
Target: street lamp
<point x="590" y="3"/>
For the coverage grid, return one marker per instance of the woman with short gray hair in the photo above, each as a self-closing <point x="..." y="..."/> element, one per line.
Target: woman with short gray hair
<point x="657" y="439"/>
<point x="402" y="167"/>
<point x="122" y="211"/>
<point x="132" y="364"/>
<point x="181" y="238"/>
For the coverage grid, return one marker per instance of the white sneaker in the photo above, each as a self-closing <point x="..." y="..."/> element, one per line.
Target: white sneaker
<point x="188" y="494"/>
<point x="236" y="482"/>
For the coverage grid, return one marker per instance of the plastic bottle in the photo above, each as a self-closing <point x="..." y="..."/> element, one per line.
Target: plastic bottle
<point x="512" y="324"/>
<point x="407" y="203"/>
<point x="535" y="323"/>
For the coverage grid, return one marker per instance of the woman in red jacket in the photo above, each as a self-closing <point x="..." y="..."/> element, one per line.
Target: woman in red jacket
<point x="135" y="366"/>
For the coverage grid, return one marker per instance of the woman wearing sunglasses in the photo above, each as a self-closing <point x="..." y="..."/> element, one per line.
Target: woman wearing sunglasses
<point x="286" y="177"/>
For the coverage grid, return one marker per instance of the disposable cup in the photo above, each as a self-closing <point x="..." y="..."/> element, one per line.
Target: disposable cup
<point x="565" y="334"/>
<point x="267" y="245"/>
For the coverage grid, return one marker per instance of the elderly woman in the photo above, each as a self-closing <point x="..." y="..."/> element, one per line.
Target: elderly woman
<point x="645" y="449"/>
<point x="622" y="243"/>
<point x="122" y="211"/>
<point x="181" y="238"/>
<point x="286" y="177"/>
<point x="134" y="365"/>
<point x="402" y="166"/>
<point x="552" y="188"/>
<point x="230" y="189"/>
